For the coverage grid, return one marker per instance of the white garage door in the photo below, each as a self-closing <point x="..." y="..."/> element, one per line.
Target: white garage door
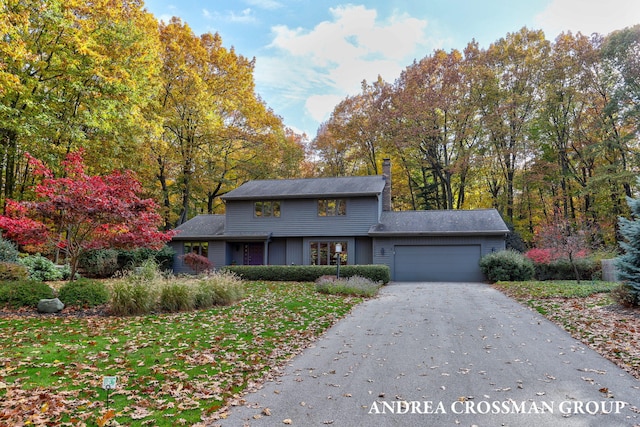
<point x="455" y="263"/>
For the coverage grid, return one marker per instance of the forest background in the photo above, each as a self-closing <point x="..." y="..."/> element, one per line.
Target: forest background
<point x="541" y="130"/>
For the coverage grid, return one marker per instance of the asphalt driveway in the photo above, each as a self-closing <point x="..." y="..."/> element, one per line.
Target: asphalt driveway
<point x="445" y="354"/>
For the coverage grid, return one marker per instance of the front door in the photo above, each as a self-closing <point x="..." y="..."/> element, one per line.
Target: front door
<point x="253" y="254"/>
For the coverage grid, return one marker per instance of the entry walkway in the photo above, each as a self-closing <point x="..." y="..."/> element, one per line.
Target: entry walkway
<point x="445" y="354"/>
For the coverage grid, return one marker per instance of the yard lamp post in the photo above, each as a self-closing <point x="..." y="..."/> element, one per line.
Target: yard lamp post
<point x="338" y="253"/>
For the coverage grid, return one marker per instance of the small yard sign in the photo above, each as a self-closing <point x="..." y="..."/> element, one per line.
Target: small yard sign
<point x="109" y="383"/>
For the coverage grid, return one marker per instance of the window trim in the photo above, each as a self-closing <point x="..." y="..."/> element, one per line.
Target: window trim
<point x="326" y="248"/>
<point x="332" y="207"/>
<point x="202" y="247"/>
<point x="273" y="208"/>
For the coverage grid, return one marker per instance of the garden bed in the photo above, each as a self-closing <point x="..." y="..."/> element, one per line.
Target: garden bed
<point x="588" y="314"/>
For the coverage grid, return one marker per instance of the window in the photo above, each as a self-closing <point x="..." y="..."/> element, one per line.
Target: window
<point x="324" y="253"/>
<point x="200" y="248"/>
<point x="268" y="208"/>
<point x="332" y="207"/>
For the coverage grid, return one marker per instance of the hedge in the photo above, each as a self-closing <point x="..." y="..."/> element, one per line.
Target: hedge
<point x="308" y="273"/>
<point x="561" y="269"/>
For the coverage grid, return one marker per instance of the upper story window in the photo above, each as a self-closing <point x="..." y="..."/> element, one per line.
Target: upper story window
<point x="332" y="207"/>
<point x="266" y="208"/>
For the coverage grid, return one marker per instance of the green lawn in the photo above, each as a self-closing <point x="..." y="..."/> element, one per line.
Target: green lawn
<point x="542" y="296"/>
<point x="171" y="369"/>
<point x="555" y="288"/>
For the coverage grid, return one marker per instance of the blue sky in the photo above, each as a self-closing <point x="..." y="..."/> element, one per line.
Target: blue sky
<point x="312" y="54"/>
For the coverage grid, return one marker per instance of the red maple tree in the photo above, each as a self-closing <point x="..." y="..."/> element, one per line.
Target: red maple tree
<point x="562" y="238"/>
<point x="79" y="212"/>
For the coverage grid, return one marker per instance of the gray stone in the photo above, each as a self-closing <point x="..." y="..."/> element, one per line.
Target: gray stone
<point x="53" y="305"/>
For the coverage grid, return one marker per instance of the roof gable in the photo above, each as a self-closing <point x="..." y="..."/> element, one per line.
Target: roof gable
<point x="370" y="185"/>
<point x="440" y="222"/>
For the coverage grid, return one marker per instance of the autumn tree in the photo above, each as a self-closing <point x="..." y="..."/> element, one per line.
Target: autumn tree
<point x="79" y="212"/>
<point x="512" y="95"/>
<point x="565" y="239"/>
<point x="433" y="127"/>
<point x="74" y="74"/>
<point x="216" y="132"/>
<point x="350" y="141"/>
<point x="526" y="126"/>
<point x="618" y="82"/>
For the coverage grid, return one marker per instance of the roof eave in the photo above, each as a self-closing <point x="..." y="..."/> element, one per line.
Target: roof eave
<point x="299" y="196"/>
<point x="437" y="233"/>
<point x="199" y="237"/>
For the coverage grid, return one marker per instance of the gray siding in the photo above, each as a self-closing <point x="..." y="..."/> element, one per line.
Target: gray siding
<point x="364" y="249"/>
<point x="299" y="217"/>
<point x="277" y="252"/>
<point x="294" y="251"/>
<point x="216" y="255"/>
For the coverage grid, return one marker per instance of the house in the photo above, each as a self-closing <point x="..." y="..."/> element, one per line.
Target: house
<point x="303" y="221"/>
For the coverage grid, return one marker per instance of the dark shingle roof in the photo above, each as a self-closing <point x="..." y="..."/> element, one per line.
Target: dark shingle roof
<point x="448" y="222"/>
<point x="201" y="226"/>
<point x="308" y="188"/>
<point x="211" y="227"/>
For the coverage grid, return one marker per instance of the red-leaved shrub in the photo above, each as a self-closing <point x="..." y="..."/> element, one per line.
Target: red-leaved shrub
<point x="196" y="262"/>
<point x="540" y="256"/>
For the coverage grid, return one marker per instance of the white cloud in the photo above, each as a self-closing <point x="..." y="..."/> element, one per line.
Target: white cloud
<point x="332" y="59"/>
<point x="244" y="16"/>
<point x="321" y="106"/>
<point x="265" y="4"/>
<point x="588" y="16"/>
<point x="353" y="33"/>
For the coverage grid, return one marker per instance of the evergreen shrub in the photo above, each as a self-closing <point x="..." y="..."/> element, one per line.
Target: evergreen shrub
<point x="13" y="271"/>
<point x="99" y="263"/>
<point x="8" y="251"/>
<point x="24" y="293"/>
<point x="41" y="268"/>
<point x="562" y="269"/>
<point x="129" y="259"/>
<point x="507" y="265"/>
<point x="628" y="264"/>
<point x="84" y="293"/>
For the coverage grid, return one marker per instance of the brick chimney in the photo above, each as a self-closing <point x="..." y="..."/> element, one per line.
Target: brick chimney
<point x="386" y="192"/>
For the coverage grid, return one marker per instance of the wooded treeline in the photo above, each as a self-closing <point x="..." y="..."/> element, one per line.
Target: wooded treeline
<point x="178" y="109"/>
<point x="528" y="126"/>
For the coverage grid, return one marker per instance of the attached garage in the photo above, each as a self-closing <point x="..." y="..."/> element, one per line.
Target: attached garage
<point x="438" y="263"/>
<point x="437" y="246"/>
